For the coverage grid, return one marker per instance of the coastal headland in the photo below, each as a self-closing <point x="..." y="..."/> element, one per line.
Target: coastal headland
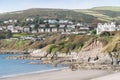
<point x="92" y="56"/>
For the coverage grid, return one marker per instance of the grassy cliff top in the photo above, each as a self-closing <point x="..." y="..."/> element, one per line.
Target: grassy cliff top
<point x="63" y="43"/>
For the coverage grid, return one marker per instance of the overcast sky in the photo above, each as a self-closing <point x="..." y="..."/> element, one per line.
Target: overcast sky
<point x="15" y="5"/>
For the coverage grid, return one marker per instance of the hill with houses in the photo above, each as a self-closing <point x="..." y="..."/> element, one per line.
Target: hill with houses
<point x="47" y="13"/>
<point x="93" y="15"/>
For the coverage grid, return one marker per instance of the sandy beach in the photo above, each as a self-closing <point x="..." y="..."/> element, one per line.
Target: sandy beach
<point x="62" y="75"/>
<point x="115" y="76"/>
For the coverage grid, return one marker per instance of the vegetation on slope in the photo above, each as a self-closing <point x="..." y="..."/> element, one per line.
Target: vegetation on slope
<point x="94" y="15"/>
<point x="107" y="13"/>
<point x="48" y="13"/>
<point x="113" y="45"/>
<point x="63" y="43"/>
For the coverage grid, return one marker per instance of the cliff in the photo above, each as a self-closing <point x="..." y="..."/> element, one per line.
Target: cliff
<point x="91" y="48"/>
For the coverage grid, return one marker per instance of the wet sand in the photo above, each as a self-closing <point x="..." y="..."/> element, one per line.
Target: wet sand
<point x="62" y="75"/>
<point x="115" y="76"/>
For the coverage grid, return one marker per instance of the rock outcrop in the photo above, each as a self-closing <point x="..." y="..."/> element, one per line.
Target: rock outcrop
<point x="92" y="53"/>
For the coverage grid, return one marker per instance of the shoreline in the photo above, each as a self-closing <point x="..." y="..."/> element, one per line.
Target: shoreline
<point x="14" y="52"/>
<point x="35" y="72"/>
<point x="61" y="74"/>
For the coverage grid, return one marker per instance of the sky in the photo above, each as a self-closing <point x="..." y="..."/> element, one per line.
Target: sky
<point x="15" y="5"/>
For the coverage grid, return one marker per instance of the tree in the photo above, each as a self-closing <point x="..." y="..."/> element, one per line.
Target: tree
<point x="57" y="25"/>
<point x="5" y="34"/>
<point x="93" y="32"/>
<point x="23" y="24"/>
<point x="47" y="25"/>
<point x="36" y="27"/>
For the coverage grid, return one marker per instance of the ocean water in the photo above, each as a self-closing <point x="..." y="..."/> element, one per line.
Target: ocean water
<point x="18" y="67"/>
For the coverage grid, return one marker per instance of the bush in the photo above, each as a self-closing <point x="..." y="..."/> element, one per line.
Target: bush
<point x="52" y="46"/>
<point x="5" y="34"/>
<point x="20" y="43"/>
<point x="105" y="33"/>
<point x="79" y="45"/>
<point x="54" y="50"/>
<point x="93" y="32"/>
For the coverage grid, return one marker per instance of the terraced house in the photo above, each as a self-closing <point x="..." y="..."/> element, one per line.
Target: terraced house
<point x="107" y="27"/>
<point x="48" y="25"/>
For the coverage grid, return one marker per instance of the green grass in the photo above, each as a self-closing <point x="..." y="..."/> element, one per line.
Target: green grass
<point x="20" y="43"/>
<point x="107" y="38"/>
<point x="113" y="44"/>
<point x="111" y="8"/>
<point x="18" y="35"/>
<point x="107" y="13"/>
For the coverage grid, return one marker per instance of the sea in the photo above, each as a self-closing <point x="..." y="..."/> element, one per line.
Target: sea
<point x="11" y="68"/>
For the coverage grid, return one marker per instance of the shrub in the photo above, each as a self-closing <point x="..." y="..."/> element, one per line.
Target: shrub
<point x="93" y="32"/>
<point x="20" y="43"/>
<point x="52" y="46"/>
<point x="105" y="33"/>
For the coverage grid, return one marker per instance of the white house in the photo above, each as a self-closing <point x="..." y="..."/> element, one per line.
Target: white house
<point x="30" y="19"/>
<point x="6" y="22"/>
<point x="10" y="27"/>
<point x="1" y="28"/>
<point x="106" y="27"/>
<point x="118" y="28"/>
<point x="26" y="29"/>
<point x="54" y="29"/>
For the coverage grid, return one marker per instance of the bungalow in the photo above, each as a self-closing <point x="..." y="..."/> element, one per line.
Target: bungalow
<point x="4" y="27"/>
<point x="26" y="29"/>
<point x="82" y="28"/>
<point x="42" y="25"/>
<point x="68" y="28"/>
<point x="63" y="21"/>
<point x="15" y="30"/>
<point x="70" y="22"/>
<point x="52" y="21"/>
<point x="47" y="29"/>
<point x="118" y="27"/>
<point x="62" y="25"/>
<point x="71" y="26"/>
<point x="12" y="21"/>
<point x="10" y="27"/>
<point x="1" y="29"/>
<point x="53" y="27"/>
<point x="6" y="22"/>
<point x="32" y="26"/>
<point x="19" y="28"/>
<point x="42" y="28"/>
<point x="30" y="19"/>
<point x="61" y="28"/>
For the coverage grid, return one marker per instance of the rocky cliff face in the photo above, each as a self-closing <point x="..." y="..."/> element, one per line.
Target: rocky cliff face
<point x="92" y="53"/>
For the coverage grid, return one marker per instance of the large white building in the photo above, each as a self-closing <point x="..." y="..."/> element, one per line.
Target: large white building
<point x="107" y="27"/>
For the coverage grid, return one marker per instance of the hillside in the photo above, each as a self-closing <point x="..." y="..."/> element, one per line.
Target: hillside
<point x="48" y="13"/>
<point x="93" y="15"/>
<point x="63" y="43"/>
<point x="106" y="13"/>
